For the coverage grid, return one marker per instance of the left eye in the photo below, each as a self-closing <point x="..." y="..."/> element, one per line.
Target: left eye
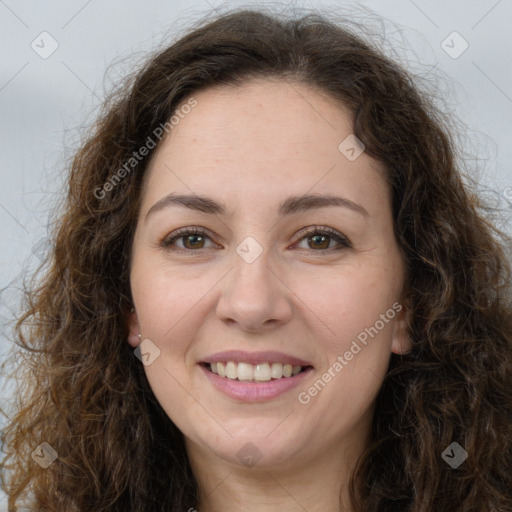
<point x="195" y="238"/>
<point x="322" y="237"/>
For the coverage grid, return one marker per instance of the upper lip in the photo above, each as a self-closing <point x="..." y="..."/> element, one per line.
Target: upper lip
<point x="239" y="356"/>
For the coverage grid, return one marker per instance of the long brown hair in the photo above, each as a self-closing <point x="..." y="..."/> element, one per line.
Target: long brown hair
<point x="86" y="395"/>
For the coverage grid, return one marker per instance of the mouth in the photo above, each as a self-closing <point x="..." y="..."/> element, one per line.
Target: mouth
<point x="256" y="373"/>
<point x="255" y="376"/>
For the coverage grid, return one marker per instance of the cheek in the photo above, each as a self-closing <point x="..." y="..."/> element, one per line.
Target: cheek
<point x="165" y="297"/>
<point x="343" y="303"/>
<point x="354" y="325"/>
<point x="171" y="309"/>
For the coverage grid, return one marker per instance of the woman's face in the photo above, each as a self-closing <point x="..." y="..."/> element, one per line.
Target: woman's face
<point x="291" y="265"/>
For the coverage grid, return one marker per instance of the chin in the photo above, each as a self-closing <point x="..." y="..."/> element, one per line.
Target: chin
<point x="261" y="447"/>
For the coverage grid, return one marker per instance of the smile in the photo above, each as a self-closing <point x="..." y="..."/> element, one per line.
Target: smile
<point x="261" y="372"/>
<point x="252" y="390"/>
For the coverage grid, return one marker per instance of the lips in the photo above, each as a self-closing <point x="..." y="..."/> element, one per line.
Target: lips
<point x="254" y="391"/>
<point x="254" y="358"/>
<point x="254" y="376"/>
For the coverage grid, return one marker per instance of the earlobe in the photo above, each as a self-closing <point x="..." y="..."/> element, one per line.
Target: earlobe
<point x="133" y="336"/>
<point x="401" y="334"/>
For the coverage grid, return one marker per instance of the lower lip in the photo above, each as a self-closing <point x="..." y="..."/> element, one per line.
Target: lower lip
<point x="246" y="391"/>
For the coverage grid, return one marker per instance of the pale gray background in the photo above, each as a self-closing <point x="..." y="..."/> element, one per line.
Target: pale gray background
<point x="44" y="102"/>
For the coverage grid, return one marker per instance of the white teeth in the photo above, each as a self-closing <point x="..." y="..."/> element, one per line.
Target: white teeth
<point x="277" y="370"/>
<point x="231" y="368"/>
<point x="262" y="372"/>
<point x="245" y="371"/>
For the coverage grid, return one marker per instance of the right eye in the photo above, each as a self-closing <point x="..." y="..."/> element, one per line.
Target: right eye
<point x="193" y="239"/>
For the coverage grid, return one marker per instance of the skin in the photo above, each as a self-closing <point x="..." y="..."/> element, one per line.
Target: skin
<point x="250" y="147"/>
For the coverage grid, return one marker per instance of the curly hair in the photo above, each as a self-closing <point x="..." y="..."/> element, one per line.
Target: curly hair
<point x="84" y="393"/>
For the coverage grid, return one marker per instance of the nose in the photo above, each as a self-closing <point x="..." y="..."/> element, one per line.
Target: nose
<point x="254" y="296"/>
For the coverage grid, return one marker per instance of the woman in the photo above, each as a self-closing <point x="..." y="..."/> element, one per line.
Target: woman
<point x="270" y="290"/>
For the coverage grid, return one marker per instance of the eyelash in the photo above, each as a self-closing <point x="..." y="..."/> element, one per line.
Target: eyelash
<point x="344" y="243"/>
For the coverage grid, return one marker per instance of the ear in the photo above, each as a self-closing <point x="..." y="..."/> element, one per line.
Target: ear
<point x="133" y="335"/>
<point x="401" y="335"/>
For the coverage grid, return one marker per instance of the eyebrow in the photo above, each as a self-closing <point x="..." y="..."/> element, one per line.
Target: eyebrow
<point x="289" y="206"/>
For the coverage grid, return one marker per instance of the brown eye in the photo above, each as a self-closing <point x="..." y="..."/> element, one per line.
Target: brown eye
<point x="319" y="239"/>
<point x="191" y="238"/>
<point x="196" y="241"/>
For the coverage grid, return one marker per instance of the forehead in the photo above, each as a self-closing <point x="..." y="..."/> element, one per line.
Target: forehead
<point x="257" y="110"/>
<point x="259" y="139"/>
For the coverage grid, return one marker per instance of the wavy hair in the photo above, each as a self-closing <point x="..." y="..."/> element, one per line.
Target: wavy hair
<point x="84" y="393"/>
